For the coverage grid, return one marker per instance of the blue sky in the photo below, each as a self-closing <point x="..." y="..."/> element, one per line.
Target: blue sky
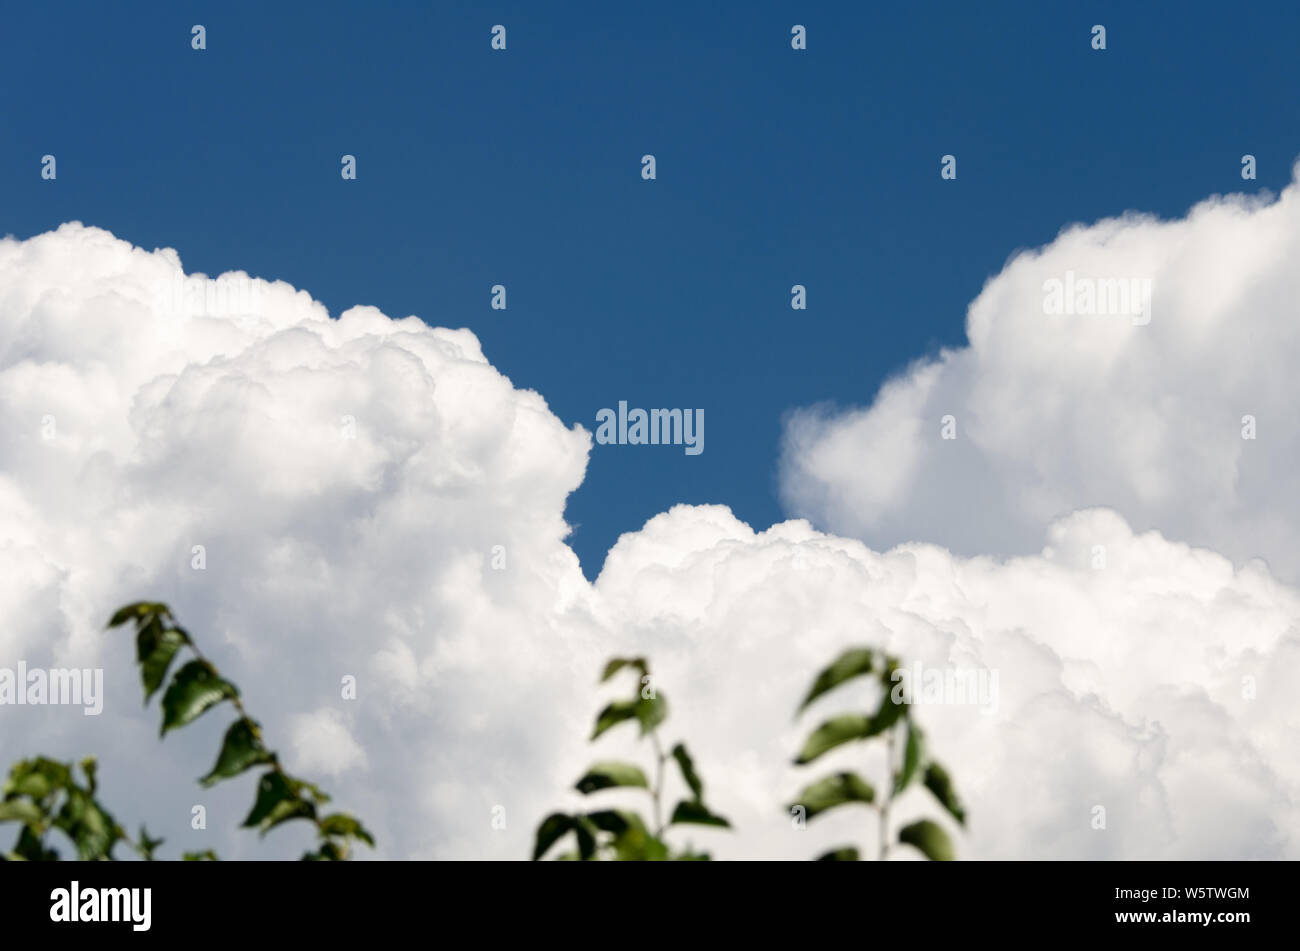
<point x="775" y="167"/>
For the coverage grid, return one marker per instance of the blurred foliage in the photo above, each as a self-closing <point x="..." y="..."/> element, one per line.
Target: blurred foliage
<point x="624" y="835"/>
<point x="43" y="795"/>
<point x="907" y="758"/>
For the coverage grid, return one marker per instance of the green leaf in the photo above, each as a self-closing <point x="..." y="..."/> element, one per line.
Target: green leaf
<point x="21" y="810"/>
<point x="195" y="688"/>
<point x="653" y="851"/>
<point x="328" y="852"/>
<point x="687" y="766"/>
<point x="91" y="829"/>
<point x="651" y="712"/>
<point x="38" y="778"/>
<point x="615" y="821"/>
<point x="155" y="648"/>
<point x="832" y="733"/>
<point x="835" y="791"/>
<point x="278" y="801"/>
<point x="939" y="783"/>
<point x="147" y="845"/>
<point x="137" y="611"/>
<point x="852" y="663"/>
<point x="241" y="749"/>
<point x="846" y="853"/>
<point x="207" y="855"/>
<point x="340" y="823"/>
<point x="930" y="838"/>
<point x="552" y="828"/>
<point x="29" y="848"/>
<point x="887" y="715"/>
<point x="632" y="841"/>
<point x="618" y="663"/>
<point x="912" y="754"/>
<point x="614" y="714"/>
<point x="586" y="834"/>
<point x="609" y="775"/>
<point x="638" y="845"/>
<point x="694" y="811"/>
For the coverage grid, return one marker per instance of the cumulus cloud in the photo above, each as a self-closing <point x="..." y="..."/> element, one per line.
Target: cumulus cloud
<point x="365" y="497"/>
<point x="342" y="484"/>
<point x="1055" y="412"/>
<point x="1156" y="686"/>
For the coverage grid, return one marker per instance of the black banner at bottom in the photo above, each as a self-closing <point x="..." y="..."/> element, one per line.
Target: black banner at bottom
<point x="924" y="901"/>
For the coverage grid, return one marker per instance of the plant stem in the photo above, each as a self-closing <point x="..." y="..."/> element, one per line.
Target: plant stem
<point x="889" y="789"/>
<point x="657" y="792"/>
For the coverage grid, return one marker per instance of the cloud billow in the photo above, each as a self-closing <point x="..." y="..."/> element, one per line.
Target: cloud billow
<point x="374" y="500"/>
<point x="1182" y="420"/>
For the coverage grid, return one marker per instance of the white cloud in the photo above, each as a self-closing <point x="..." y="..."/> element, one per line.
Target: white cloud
<point x="322" y="743"/>
<point x="1060" y="412"/>
<point x="1120" y="687"/>
<point x="372" y="557"/>
<point x="325" y="555"/>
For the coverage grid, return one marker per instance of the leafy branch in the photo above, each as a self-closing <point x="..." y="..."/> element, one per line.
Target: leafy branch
<point x="43" y="794"/>
<point x="891" y="722"/>
<point x="195" y="688"/>
<point x="620" y="834"/>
